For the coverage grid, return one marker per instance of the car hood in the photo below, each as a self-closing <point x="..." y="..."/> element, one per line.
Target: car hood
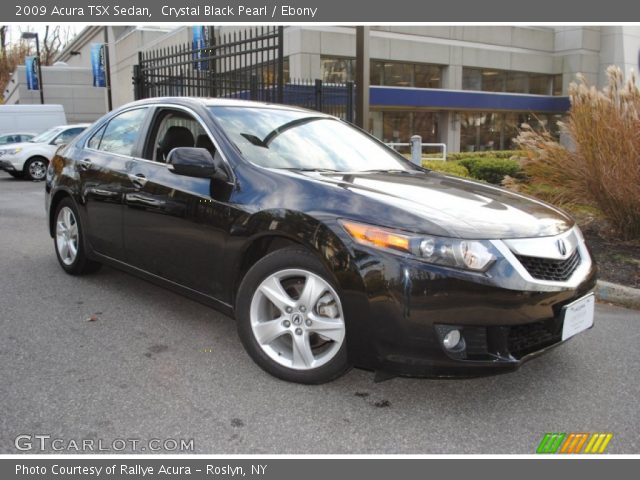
<point x="463" y="208"/>
<point x="11" y="146"/>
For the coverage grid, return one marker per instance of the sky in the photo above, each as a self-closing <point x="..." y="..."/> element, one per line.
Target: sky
<point x="15" y="30"/>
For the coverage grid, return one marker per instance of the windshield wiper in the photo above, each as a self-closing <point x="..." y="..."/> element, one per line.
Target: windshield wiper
<point x="302" y="169"/>
<point x="397" y="170"/>
<point x="254" y="140"/>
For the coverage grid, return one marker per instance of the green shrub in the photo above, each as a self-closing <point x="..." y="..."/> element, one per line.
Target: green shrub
<point x="486" y="154"/>
<point x="492" y="170"/>
<point x="450" y="168"/>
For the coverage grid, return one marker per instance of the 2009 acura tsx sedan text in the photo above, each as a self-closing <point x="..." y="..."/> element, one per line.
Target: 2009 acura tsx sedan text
<point x="330" y="249"/>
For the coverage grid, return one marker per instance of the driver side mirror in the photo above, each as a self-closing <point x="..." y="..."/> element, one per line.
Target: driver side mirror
<point x="191" y="162"/>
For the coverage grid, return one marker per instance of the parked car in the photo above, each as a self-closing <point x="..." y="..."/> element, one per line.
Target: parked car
<point x="16" y="137"/>
<point x="32" y="118"/>
<point x="330" y="249"/>
<point x="31" y="158"/>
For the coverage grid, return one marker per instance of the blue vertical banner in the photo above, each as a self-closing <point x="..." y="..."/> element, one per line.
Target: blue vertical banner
<point x="31" y="66"/>
<point x="99" y="64"/>
<point x="199" y="43"/>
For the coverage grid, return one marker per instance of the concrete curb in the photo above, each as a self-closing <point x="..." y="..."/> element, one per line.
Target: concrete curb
<point x="618" y="294"/>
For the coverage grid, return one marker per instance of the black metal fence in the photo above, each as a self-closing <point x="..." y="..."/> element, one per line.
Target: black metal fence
<point x="336" y="99"/>
<point x="243" y="63"/>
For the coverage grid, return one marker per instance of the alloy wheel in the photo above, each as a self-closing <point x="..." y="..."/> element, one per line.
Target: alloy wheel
<point x="297" y="319"/>
<point x="37" y="169"/>
<point x="67" y="235"/>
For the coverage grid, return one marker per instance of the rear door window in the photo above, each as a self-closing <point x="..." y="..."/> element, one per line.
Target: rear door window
<point x="121" y="134"/>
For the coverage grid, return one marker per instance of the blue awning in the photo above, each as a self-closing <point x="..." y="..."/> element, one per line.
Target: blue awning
<point x="465" y="100"/>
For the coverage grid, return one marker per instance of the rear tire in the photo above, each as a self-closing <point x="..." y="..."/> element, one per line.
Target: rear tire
<point x="36" y="168"/>
<point x="68" y="240"/>
<point x="290" y="318"/>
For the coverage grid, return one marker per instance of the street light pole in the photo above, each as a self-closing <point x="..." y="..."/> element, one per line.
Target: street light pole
<point x="39" y="71"/>
<point x="362" y="77"/>
<point x="29" y="35"/>
<point x="107" y="63"/>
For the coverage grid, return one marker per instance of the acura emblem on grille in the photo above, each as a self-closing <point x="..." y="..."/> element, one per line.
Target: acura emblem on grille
<point x="562" y="247"/>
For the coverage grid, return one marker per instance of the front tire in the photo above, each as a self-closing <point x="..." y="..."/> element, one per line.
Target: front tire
<point x="36" y="168"/>
<point x="68" y="240"/>
<point x="290" y="318"/>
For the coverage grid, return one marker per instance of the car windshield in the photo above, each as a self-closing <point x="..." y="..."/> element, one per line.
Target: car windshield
<point x="290" y="139"/>
<point x="46" y="137"/>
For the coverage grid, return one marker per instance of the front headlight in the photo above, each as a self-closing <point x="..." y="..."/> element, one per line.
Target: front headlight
<point x="451" y="252"/>
<point x="11" y="151"/>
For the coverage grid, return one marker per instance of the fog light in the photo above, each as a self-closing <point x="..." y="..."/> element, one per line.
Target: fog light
<point x="452" y="339"/>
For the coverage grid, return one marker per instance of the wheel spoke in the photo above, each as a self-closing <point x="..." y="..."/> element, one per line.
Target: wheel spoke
<point x="73" y="249"/>
<point x="332" y="329"/>
<point x="313" y="290"/>
<point x="67" y="218"/>
<point x="64" y="251"/>
<point x="73" y="231"/>
<point x="302" y="354"/>
<point x="267" y="332"/>
<point x="272" y="289"/>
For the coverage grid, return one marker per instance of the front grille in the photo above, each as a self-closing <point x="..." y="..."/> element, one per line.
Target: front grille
<point x="550" y="269"/>
<point x="525" y="339"/>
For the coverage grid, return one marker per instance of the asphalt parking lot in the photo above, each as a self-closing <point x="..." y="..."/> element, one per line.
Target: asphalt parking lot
<point x="156" y="365"/>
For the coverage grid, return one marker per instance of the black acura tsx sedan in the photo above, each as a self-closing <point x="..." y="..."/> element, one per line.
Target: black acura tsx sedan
<point x="330" y="249"/>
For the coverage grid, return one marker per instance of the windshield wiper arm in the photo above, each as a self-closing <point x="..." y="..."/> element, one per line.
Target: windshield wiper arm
<point x="382" y="170"/>
<point x="303" y="169"/>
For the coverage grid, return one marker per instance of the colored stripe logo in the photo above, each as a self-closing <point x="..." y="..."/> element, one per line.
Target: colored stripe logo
<point x="577" y="442"/>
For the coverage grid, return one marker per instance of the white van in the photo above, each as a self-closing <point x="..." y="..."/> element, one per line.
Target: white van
<point x="30" y="118"/>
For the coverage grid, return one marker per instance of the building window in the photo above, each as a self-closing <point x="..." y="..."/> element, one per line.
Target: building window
<point x="428" y="76"/>
<point x="337" y="70"/>
<point x="517" y="82"/>
<point x="397" y="74"/>
<point x="286" y="70"/>
<point x="540" y="84"/>
<point x="392" y="74"/>
<point x="398" y="127"/>
<point x="492" y="80"/>
<point x="557" y="84"/>
<point x="497" y="131"/>
<point x="471" y="79"/>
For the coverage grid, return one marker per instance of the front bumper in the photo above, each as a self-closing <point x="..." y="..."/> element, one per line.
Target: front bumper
<point x="410" y="305"/>
<point x="7" y="166"/>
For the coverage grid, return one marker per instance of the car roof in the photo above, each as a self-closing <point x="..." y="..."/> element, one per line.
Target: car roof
<point x="218" y="102"/>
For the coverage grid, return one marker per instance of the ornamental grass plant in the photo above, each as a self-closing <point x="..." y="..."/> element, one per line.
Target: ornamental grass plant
<point x="600" y="164"/>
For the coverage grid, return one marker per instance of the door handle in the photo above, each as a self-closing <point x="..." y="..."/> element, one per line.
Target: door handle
<point x="85" y="164"/>
<point x="138" y="179"/>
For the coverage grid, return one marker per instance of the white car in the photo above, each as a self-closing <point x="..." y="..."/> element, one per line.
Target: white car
<point x="15" y="137"/>
<point x="30" y="159"/>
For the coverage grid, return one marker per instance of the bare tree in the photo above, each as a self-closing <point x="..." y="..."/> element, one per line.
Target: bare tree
<point x="3" y="41"/>
<point x="53" y="40"/>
